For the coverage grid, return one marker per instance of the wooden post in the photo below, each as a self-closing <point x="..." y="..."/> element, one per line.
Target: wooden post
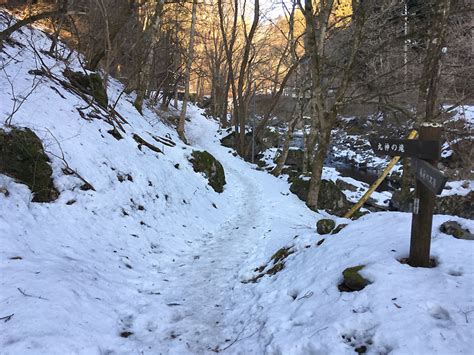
<point x="423" y="208"/>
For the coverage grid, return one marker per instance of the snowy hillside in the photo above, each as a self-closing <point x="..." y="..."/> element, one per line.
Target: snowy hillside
<point x="153" y="261"/>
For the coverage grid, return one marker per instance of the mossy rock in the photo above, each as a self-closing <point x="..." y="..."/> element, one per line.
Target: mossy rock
<point x="330" y="197"/>
<point x="275" y="269"/>
<point x="91" y="84"/>
<point x="281" y="254"/>
<point x="353" y="281"/>
<point x="325" y="226"/>
<point x="300" y="187"/>
<point x="456" y="230"/>
<point x="204" y="162"/>
<point x="23" y="158"/>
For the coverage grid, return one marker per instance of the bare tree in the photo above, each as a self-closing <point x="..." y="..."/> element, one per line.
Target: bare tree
<point x="187" y="75"/>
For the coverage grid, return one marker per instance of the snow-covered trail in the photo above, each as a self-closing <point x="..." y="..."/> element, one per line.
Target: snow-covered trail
<point x="203" y="293"/>
<point x="204" y="280"/>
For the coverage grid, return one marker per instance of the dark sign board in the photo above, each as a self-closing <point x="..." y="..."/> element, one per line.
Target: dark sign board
<point x="422" y="149"/>
<point x="428" y="175"/>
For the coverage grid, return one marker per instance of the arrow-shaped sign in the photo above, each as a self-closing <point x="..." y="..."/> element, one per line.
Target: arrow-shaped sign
<point x="428" y="175"/>
<point x="422" y="149"/>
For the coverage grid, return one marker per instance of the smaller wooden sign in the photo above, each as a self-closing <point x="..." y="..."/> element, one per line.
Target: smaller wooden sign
<point x="423" y="149"/>
<point x="428" y="175"/>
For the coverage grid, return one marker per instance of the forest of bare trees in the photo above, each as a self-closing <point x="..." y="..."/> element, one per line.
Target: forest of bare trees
<point x="249" y="62"/>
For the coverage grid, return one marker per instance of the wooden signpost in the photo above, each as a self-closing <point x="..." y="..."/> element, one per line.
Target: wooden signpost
<point x="431" y="177"/>
<point x="406" y="148"/>
<point x="425" y="153"/>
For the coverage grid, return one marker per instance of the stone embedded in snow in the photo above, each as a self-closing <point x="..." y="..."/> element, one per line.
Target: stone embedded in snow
<point x="325" y="226"/>
<point x="456" y="230"/>
<point x="353" y="281"/>
<point x="281" y="254"/>
<point x="23" y="158"/>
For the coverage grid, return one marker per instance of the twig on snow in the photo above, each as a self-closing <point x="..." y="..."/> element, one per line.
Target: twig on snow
<point x="27" y="295"/>
<point x="7" y="318"/>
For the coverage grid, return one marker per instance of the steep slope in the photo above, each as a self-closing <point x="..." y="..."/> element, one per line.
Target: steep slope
<point x="154" y="261"/>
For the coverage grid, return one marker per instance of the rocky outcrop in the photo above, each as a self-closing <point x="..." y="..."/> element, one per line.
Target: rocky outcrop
<point x="454" y="205"/>
<point x="330" y="198"/>
<point x="22" y="157"/>
<point x="203" y="162"/>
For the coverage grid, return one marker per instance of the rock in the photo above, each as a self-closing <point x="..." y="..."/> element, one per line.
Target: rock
<point x="353" y="281"/>
<point x="300" y="187"/>
<point x="339" y="228"/>
<point x="345" y="185"/>
<point x="454" y="205"/>
<point x="276" y="268"/>
<point x="330" y="198"/>
<point x="90" y="84"/>
<point x="212" y="169"/>
<point x="402" y="202"/>
<point x="281" y="254"/>
<point x="295" y="159"/>
<point x="292" y="174"/>
<point x="270" y="139"/>
<point x="325" y="226"/>
<point x="461" y="154"/>
<point x="456" y="230"/>
<point x="23" y="158"/>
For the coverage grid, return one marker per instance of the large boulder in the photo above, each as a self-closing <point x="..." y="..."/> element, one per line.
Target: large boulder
<point x="203" y="162"/>
<point x="300" y="186"/>
<point x="22" y="157"/>
<point x="330" y="197"/>
<point x="294" y="159"/>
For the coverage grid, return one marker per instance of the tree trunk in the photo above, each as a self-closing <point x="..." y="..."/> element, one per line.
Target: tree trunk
<point x="317" y="169"/>
<point x="144" y="75"/>
<point x="286" y="147"/>
<point x="182" y="116"/>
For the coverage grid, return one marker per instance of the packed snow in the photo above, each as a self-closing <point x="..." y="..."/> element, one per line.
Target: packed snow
<point x="154" y="261"/>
